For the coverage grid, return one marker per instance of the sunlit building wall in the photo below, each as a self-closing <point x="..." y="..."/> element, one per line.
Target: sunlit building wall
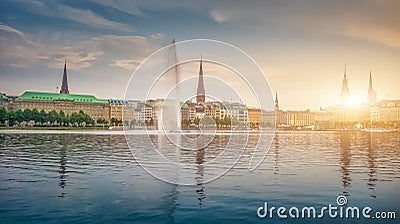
<point x="389" y="110"/>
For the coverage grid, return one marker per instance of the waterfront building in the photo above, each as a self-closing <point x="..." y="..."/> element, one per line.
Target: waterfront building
<point x="352" y="114"/>
<point x="238" y="112"/>
<point x="68" y="103"/>
<point x="3" y="100"/>
<point x="122" y="110"/>
<point x="254" y="117"/>
<point x="387" y="110"/>
<point x="268" y="118"/>
<point x="188" y="111"/>
<point x="63" y="101"/>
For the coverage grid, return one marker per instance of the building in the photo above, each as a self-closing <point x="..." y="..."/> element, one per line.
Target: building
<point x="268" y="118"/>
<point x="238" y="112"/>
<point x="387" y="110"/>
<point x="188" y="112"/>
<point x="371" y="96"/>
<point x="68" y="103"/>
<point x="201" y="93"/>
<point x="63" y="101"/>
<point x="299" y="118"/>
<point x="254" y="117"/>
<point x="345" y="93"/>
<point x="3" y="100"/>
<point x="64" y="84"/>
<point x="122" y="110"/>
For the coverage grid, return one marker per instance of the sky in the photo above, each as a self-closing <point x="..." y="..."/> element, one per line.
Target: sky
<point x="301" y="46"/>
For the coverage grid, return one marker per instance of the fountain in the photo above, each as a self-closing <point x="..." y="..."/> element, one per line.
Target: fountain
<point x="168" y="116"/>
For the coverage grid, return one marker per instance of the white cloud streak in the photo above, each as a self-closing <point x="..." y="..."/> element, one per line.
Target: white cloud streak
<point x="116" y="51"/>
<point x="87" y="17"/>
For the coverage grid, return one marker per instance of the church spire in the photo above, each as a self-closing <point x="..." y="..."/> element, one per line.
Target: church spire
<point x="345" y="93"/>
<point x="64" y="85"/>
<point x="370" y="80"/>
<point x="276" y="101"/>
<point x="371" y="97"/>
<point x="201" y="96"/>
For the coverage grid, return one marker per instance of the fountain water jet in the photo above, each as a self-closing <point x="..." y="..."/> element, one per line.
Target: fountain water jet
<point x="169" y="116"/>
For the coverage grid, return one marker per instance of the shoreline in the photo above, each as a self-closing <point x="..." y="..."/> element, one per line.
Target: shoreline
<point x="121" y="131"/>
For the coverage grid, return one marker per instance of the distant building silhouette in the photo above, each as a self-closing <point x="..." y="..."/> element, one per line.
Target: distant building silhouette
<point x="64" y="85"/>
<point x="371" y="97"/>
<point x="201" y="95"/>
<point x="345" y="93"/>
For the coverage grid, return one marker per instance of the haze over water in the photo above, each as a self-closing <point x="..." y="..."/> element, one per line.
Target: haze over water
<point x="93" y="178"/>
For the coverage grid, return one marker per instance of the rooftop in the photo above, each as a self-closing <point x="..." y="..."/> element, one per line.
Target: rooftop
<point x="56" y="96"/>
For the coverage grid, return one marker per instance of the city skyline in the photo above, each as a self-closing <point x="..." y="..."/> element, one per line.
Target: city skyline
<point x="104" y="41"/>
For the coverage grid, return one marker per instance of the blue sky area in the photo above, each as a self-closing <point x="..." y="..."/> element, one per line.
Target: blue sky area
<point x="301" y="46"/>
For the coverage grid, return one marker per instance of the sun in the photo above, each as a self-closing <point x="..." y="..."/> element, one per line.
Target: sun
<point x="352" y="101"/>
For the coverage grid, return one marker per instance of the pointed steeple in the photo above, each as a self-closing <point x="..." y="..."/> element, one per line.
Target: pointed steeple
<point x="64" y="85"/>
<point x="370" y="80"/>
<point x="371" y="97"/>
<point x="276" y="101"/>
<point x="201" y="95"/>
<point x="345" y="93"/>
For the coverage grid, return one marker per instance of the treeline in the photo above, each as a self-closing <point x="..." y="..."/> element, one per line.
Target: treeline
<point x="34" y="117"/>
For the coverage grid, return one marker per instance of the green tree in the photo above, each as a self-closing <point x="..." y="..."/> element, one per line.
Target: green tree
<point x="11" y="118"/>
<point x="28" y="115"/>
<point x="52" y="117"/>
<point x="19" y="116"/>
<point x="43" y="117"/>
<point x="3" y="115"/>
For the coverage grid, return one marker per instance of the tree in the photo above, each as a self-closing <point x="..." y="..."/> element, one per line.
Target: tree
<point x="197" y="121"/>
<point x="151" y="122"/>
<point x="28" y="115"/>
<point x="52" y="117"/>
<point x="3" y="115"/>
<point x="19" y="116"/>
<point x="11" y="118"/>
<point x="43" y="117"/>
<point x="133" y="123"/>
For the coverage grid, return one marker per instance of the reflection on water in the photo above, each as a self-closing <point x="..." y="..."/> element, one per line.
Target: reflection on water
<point x="63" y="162"/>
<point x="345" y="159"/>
<point x="371" y="164"/>
<point x="94" y="178"/>
<point x="199" y="178"/>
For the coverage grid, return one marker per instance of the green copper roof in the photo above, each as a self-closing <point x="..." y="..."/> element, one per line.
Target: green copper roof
<point x="55" y="96"/>
<point x="2" y="96"/>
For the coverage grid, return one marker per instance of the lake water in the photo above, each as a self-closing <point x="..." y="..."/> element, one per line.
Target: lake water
<point x="62" y="177"/>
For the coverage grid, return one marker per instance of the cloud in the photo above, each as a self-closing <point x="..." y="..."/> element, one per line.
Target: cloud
<point x="368" y="20"/>
<point x="77" y="58"/>
<point x="10" y="29"/>
<point x="218" y="16"/>
<point x="87" y="17"/>
<point x="110" y="50"/>
<point x="122" y="5"/>
<point x="157" y="36"/>
<point x="126" y="64"/>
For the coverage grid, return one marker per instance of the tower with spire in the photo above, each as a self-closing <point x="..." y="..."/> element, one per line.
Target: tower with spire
<point x="277" y="111"/>
<point x="345" y="93"/>
<point x="276" y="101"/>
<point x="201" y="95"/>
<point x="64" y="85"/>
<point x="371" y="97"/>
